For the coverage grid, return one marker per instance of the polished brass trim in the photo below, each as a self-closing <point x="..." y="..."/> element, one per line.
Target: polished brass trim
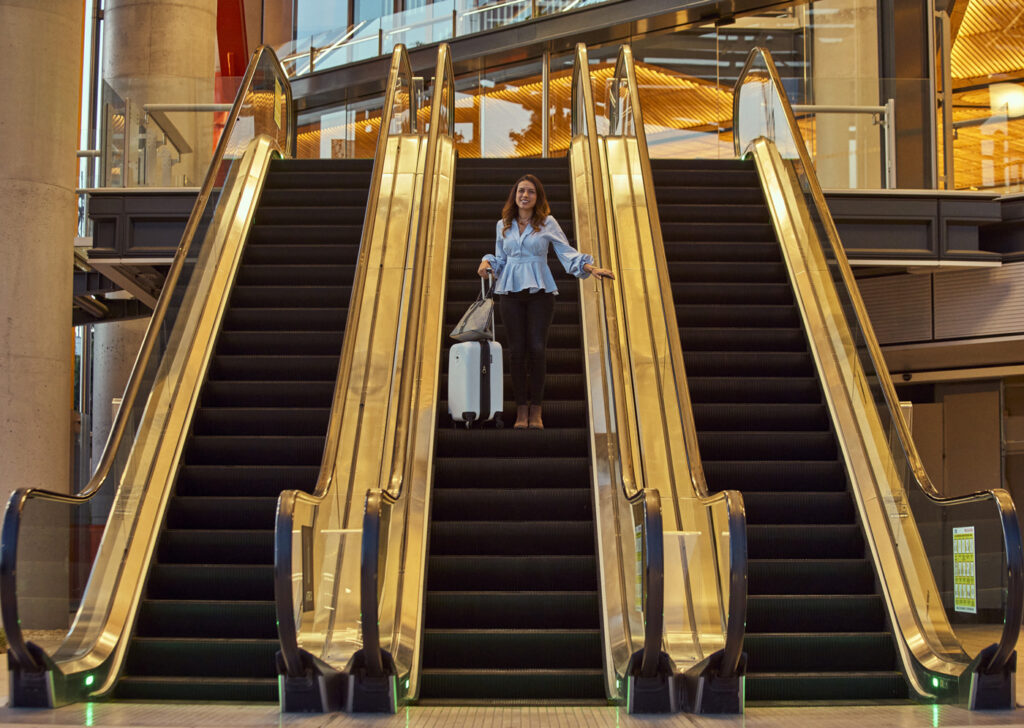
<point x="153" y="462"/>
<point x="643" y="435"/>
<point x="381" y="432"/>
<point x="914" y="602"/>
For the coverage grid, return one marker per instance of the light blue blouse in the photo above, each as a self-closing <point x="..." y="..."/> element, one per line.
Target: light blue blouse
<point x="520" y="260"/>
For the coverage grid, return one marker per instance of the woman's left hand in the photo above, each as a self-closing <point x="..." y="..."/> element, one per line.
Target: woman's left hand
<point x="599" y="272"/>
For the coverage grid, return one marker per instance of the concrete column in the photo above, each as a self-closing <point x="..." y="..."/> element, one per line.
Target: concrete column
<point x="115" y="347"/>
<point x="164" y="51"/>
<point x="41" y="74"/>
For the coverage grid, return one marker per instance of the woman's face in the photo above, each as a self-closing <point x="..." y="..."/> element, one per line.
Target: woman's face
<point x="526" y="198"/>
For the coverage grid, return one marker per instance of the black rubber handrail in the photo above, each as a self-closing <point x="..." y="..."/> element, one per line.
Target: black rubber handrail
<point x="1003" y="502"/>
<point x="369" y="606"/>
<point x="654" y="576"/>
<point x="17" y="646"/>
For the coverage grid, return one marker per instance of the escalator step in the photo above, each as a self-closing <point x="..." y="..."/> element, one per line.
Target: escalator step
<point x="731" y="213"/>
<point x="265" y="341"/>
<point x="831" y="541"/>
<point x="302" y="253"/>
<point x="262" y="367"/>
<point x="328" y="321"/>
<point x="315" y="196"/>
<point x="211" y="512"/>
<point x="508" y="442"/>
<point x="295" y="274"/>
<point x="771" y="294"/>
<point x="690" y="315"/>
<point x="324" y="214"/>
<point x="305" y="235"/>
<point x="202" y="619"/>
<point x="131" y="687"/>
<point x="768" y="476"/>
<point x="810" y="576"/>
<point x="780" y="445"/>
<point x="561" y="685"/>
<point x="306" y="179"/>
<point x="211" y="582"/>
<point x="778" y="416"/>
<point x="510" y="504"/>
<point x="749" y="363"/>
<point x="223" y="546"/>
<point x="816" y="613"/>
<point x="798" y="507"/>
<point x="523" y="610"/>
<point x="516" y="471"/>
<point x="557" y="387"/>
<point x="697" y="177"/>
<point x="181" y="657"/>
<point x="291" y="296"/>
<point x="254" y="450"/>
<point x="249" y="480"/>
<point x="829" y="687"/>
<point x="669" y="197"/>
<point x="509" y="538"/>
<point x="259" y="394"/>
<point x="718" y="230"/>
<point x="799" y="652"/>
<point x="725" y="272"/>
<point x="789" y="390"/>
<point x="516" y="649"/>
<point x="742" y="339"/>
<point x="512" y="573"/>
<point x="261" y="421"/>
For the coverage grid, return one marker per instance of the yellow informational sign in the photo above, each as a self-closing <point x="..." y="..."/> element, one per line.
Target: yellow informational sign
<point x="965" y="588"/>
<point x="278" y="102"/>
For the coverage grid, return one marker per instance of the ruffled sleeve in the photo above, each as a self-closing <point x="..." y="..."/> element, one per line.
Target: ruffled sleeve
<point x="497" y="260"/>
<point x="572" y="260"/>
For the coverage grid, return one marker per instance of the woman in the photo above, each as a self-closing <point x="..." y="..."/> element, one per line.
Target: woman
<point x="527" y="289"/>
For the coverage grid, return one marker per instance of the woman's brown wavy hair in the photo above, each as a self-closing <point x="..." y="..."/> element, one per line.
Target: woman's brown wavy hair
<point x="540" y="210"/>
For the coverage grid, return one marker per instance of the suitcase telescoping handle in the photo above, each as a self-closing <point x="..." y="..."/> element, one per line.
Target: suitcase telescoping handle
<point x="487" y="291"/>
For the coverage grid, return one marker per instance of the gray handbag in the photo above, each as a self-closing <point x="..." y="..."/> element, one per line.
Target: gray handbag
<point x="477" y="324"/>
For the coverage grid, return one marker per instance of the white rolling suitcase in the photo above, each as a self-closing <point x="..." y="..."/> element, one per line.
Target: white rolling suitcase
<point x="475" y="385"/>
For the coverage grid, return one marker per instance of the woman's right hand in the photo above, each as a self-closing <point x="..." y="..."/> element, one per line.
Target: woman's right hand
<point x="484" y="270"/>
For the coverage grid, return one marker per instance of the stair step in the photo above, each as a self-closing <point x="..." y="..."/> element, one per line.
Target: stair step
<point x="518" y="609"/>
<point x="829" y="541"/>
<point x="207" y="619"/>
<point x="211" y="582"/>
<point x="769" y="476"/>
<point x="827" y="651"/>
<point x="512" y="649"/>
<point x="806" y="686"/>
<point x="532" y="537"/>
<point x="508" y="442"/>
<point x="254" y="449"/>
<point x="815" y="613"/>
<point x="778" y="445"/>
<point x="261" y="421"/>
<point x="810" y="576"/>
<point x="739" y="416"/>
<point x="511" y="504"/>
<point x="256" y="690"/>
<point x="245" y="480"/>
<point x="515" y="471"/>
<point x="183" y="657"/>
<point x="221" y="546"/>
<point x="560" y="685"/>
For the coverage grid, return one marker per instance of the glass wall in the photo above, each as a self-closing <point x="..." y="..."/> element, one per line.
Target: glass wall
<point x="987" y="68"/>
<point x="827" y="52"/>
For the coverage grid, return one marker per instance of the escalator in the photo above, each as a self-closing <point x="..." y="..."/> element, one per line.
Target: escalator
<point x="206" y="627"/>
<point x="511" y="604"/>
<point x="817" y="625"/>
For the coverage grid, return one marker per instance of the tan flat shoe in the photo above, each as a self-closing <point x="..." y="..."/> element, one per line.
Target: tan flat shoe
<point x="535" y="421"/>
<point x="522" y="416"/>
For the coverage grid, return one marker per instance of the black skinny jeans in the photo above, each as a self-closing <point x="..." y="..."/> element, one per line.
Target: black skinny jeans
<point x="527" y="317"/>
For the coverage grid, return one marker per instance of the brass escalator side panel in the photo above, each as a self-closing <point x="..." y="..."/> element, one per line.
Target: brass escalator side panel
<point x="900" y="559"/>
<point x="154" y="459"/>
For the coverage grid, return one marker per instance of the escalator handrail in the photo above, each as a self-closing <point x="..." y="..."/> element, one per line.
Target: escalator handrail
<point x="444" y="82"/>
<point x="400" y="70"/>
<point x="736" y="609"/>
<point x="1003" y="501"/>
<point x="20" y="497"/>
